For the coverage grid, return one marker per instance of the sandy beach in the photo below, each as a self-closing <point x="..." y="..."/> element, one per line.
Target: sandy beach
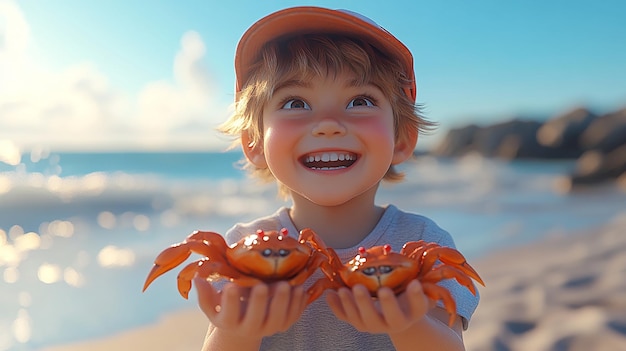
<point x="180" y="331"/>
<point x="565" y="292"/>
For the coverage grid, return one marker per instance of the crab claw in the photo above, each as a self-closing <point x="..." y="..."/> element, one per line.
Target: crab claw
<point x="451" y="257"/>
<point x="166" y="260"/>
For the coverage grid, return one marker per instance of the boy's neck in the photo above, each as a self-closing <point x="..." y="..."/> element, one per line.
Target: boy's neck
<point x="340" y="226"/>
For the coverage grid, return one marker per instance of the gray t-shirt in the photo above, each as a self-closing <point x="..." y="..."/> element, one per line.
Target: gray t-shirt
<point x="318" y="328"/>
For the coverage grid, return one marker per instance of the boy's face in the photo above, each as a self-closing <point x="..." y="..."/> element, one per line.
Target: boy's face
<point x="327" y="139"/>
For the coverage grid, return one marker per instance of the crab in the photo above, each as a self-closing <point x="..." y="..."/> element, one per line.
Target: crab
<point x="379" y="267"/>
<point x="260" y="257"/>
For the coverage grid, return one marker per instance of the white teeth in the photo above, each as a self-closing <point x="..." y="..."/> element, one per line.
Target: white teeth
<point x="329" y="157"/>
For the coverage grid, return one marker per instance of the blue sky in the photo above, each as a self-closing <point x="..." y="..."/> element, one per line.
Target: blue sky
<point x="120" y="74"/>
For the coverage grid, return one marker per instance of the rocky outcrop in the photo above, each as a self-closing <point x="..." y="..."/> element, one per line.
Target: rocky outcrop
<point x="562" y="133"/>
<point x="597" y="142"/>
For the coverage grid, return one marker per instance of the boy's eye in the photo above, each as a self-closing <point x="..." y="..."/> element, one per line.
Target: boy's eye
<point x="296" y="104"/>
<point x="360" y="101"/>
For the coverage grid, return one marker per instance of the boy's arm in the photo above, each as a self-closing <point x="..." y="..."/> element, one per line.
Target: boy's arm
<point x="218" y="339"/>
<point x="431" y="333"/>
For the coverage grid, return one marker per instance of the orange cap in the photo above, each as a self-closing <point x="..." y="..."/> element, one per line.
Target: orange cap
<point x="304" y="20"/>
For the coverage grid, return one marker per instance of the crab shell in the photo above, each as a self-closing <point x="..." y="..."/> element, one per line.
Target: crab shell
<point x="269" y="256"/>
<point x="378" y="267"/>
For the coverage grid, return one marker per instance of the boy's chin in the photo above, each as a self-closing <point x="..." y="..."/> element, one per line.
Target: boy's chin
<point x="332" y="197"/>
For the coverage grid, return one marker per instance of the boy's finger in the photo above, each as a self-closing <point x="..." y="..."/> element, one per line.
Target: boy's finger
<point x="418" y="302"/>
<point x="230" y="311"/>
<point x="334" y="302"/>
<point x="278" y="309"/>
<point x="208" y="298"/>
<point x="257" y="306"/>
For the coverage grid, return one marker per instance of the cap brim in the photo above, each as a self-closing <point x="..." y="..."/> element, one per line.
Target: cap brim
<point x="304" y="20"/>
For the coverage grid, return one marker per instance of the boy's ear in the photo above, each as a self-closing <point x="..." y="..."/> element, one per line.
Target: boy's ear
<point x="405" y="146"/>
<point x="253" y="151"/>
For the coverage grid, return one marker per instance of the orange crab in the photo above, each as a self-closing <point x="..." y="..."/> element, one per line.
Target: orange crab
<point x="378" y="267"/>
<point x="261" y="257"/>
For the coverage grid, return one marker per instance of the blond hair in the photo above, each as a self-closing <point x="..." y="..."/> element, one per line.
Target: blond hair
<point x="307" y="56"/>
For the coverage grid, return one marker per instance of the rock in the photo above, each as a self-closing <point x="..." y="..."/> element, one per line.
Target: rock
<point x="606" y="132"/>
<point x="457" y="142"/>
<point x="514" y="139"/>
<point x="597" y="142"/>
<point x="596" y="167"/>
<point x="563" y="131"/>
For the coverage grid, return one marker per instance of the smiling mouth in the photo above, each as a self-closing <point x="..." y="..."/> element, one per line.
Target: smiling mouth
<point x="329" y="160"/>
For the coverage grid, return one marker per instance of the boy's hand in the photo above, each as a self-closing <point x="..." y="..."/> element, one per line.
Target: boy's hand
<point x="389" y="314"/>
<point x="255" y="312"/>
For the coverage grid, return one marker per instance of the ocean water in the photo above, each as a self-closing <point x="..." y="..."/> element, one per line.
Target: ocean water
<point x="79" y="231"/>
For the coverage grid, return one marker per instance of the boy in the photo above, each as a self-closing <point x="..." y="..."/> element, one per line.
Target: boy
<point x="325" y="106"/>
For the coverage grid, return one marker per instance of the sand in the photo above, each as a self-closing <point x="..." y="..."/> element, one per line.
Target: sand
<point x="566" y="292"/>
<point x="180" y="331"/>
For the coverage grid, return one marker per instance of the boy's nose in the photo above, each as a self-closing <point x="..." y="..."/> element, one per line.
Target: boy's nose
<point x="328" y="127"/>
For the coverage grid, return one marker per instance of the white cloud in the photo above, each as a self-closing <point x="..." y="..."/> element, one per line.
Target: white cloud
<point x="79" y="108"/>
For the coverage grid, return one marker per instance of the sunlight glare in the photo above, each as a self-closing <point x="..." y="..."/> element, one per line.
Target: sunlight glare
<point x="106" y="220"/>
<point x="39" y="153"/>
<point x="141" y="223"/>
<point x="5" y="184"/>
<point x="10" y="153"/>
<point x="27" y="242"/>
<point x="60" y="228"/>
<point x="9" y="255"/>
<point x="55" y="183"/>
<point x="73" y="278"/>
<point x="15" y="231"/>
<point x="94" y="183"/>
<point x="11" y="275"/>
<point x="22" y="327"/>
<point x="112" y="256"/>
<point x="49" y="273"/>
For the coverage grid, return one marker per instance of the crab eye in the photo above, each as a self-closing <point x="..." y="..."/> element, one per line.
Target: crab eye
<point x="385" y="269"/>
<point x="369" y="271"/>
<point x="266" y="253"/>
<point x="283" y="252"/>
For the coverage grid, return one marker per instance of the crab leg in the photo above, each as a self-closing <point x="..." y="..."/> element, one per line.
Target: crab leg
<point x="332" y="279"/>
<point x="309" y="236"/>
<point x="317" y="289"/>
<point x="442" y="272"/>
<point x="451" y="257"/>
<point x="188" y="273"/>
<point x="436" y="293"/>
<point x="204" y="243"/>
<point x="416" y="249"/>
<point x="207" y="267"/>
<point x="314" y="262"/>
